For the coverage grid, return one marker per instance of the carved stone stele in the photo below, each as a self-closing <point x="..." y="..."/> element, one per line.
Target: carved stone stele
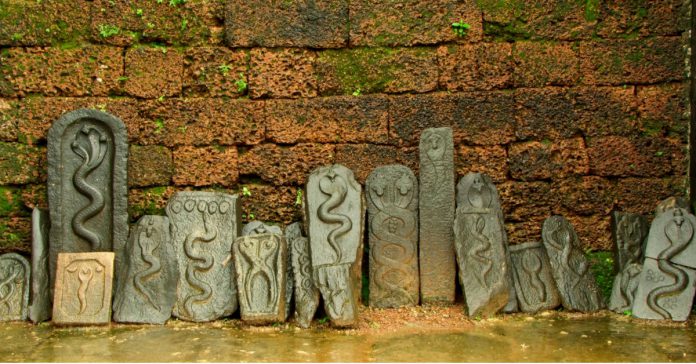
<point x="624" y="289"/>
<point x="306" y="292"/>
<point x="629" y="232"/>
<point x="392" y="210"/>
<point x="672" y="238"/>
<point x="479" y="240"/>
<point x="570" y="268"/>
<point x="147" y="286"/>
<point x="534" y="283"/>
<point x="335" y="212"/>
<point x="14" y="287"/>
<point x="87" y="184"/>
<point x="436" y="215"/>
<point x="203" y="227"/>
<point x="83" y="288"/>
<point x="40" y="299"/>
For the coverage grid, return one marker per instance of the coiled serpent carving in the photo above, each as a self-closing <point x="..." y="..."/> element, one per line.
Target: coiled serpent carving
<point x="147" y="246"/>
<point x="335" y="186"/>
<point x="201" y="263"/>
<point x="91" y="146"/>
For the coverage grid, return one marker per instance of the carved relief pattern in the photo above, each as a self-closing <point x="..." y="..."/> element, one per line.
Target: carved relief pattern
<point x="147" y="247"/>
<point x="334" y="186"/>
<point x="625" y="287"/>
<point x="339" y="302"/>
<point x="260" y="278"/>
<point x="14" y="287"/>
<point x="83" y="290"/>
<point x="306" y="294"/>
<point x="534" y="283"/>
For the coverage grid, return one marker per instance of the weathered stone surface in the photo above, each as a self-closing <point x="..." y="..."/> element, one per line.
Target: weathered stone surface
<point x="83" y="288"/>
<point x="146" y="291"/>
<point x="627" y="19"/>
<point x="623" y="291"/>
<point x="335" y="213"/>
<point x="392" y="209"/>
<point x="15" y="275"/>
<point x="260" y="263"/>
<point x="480" y="246"/>
<point x="628" y="232"/>
<point x="149" y="166"/>
<point x="306" y="293"/>
<point x="259" y="227"/>
<point x="87" y="184"/>
<point x="671" y="238"/>
<point x="436" y="215"/>
<point x="40" y="300"/>
<point x="491" y="160"/>
<point x="362" y="159"/>
<point x="291" y="232"/>
<point x="642" y="157"/>
<point x="281" y="165"/>
<point x="215" y="72"/>
<point x="570" y="268"/>
<point x="153" y="73"/>
<point x="666" y="290"/>
<point x="482" y="66"/>
<point x="282" y="73"/>
<point x="671" y="203"/>
<point x="203" y="228"/>
<point x="195" y="166"/>
<point x="540" y="64"/>
<point x="662" y="110"/>
<point x="530" y="161"/>
<point x="31" y="23"/>
<point x="21" y="164"/>
<point x="534" y="284"/>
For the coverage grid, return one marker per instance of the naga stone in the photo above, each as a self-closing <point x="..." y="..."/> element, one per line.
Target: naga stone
<point x="87" y="191"/>
<point x="255" y="227"/>
<point x="534" y="284"/>
<point x="306" y="293"/>
<point x="260" y="262"/>
<point x="670" y="203"/>
<point x="623" y="292"/>
<point x="40" y="300"/>
<point x="666" y="288"/>
<point x="14" y="287"/>
<point x="83" y="288"/>
<point x="628" y="232"/>
<point x="146" y="290"/>
<point x="436" y="214"/>
<point x="392" y="210"/>
<point x="570" y="268"/>
<point x="479" y="239"/>
<point x="203" y="227"/>
<point x="335" y="211"/>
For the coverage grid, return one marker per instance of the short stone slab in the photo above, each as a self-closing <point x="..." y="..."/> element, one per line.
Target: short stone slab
<point x="335" y="212"/>
<point x="40" y="299"/>
<point x="147" y="288"/>
<point x="628" y="233"/>
<point x="83" y="288"/>
<point x="392" y="210"/>
<point x="570" y="268"/>
<point x="306" y="292"/>
<point x="260" y="263"/>
<point x="624" y="289"/>
<point x="203" y="228"/>
<point x="436" y="216"/>
<point x="672" y="238"/>
<point x="14" y="287"/>
<point x="534" y="284"/>
<point x="665" y="292"/>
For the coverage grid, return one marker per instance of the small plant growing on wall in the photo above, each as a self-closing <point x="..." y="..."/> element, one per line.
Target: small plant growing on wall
<point x="460" y="28"/>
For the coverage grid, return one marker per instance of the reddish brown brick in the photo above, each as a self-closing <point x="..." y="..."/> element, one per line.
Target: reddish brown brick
<point x="547" y="113"/>
<point x="593" y="231"/>
<point x="148" y="201"/>
<point x="282" y="73"/>
<point x="284" y="165"/>
<point x="586" y="195"/>
<point x="663" y="110"/>
<point x="9" y="110"/>
<point x="153" y="72"/>
<point x="215" y="71"/>
<point x="362" y="159"/>
<point x="489" y="160"/>
<point x="481" y="66"/>
<point x="640" y="157"/>
<point x="35" y="195"/>
<point x="149" y="166"/>
<point x="348" y="119"/>
<point x="604" y="111"/>
<point x="42" y="23"/>
<point x="643" y="18"/>
<point x="21" y="164"/>
<point x="524" y="231"/>
<point x="276" y="204"/>
<point x="205" y="166"/>
<point x="523" y="200"/>
<point x="641" y="195"/>
<point x="540" y="64"/>
<point x="15" y="235"/>
<point x="530" y="161"/>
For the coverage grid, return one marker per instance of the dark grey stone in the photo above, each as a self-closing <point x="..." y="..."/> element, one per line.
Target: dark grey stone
<point x="147" y="285"/>
<point x="436" y="214"/>
<point x="534" y="284"/>
<point x="672" y="202"/>
<point x="628" y="232"/>
<point x="260" y="264"/>
<point x="306" y="293"/>
<point x="87" y="190"/>
<point x="203" y="228"/>
<point x="14" y="287"/>
<point x="623" y="292"/>
<point x="479" y="240"/>
<point x="672" y="237"/>
<point x="570" y="268"/>
<point x="392" y="210"/>
<point x="292" y="231"/>
<point x="40" y="304"/>
<point x="336" y="212"/>
<point x="260" y="227"/>
<point x="665" y="292"/>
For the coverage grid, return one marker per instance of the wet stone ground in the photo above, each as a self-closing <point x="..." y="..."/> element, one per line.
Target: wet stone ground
<point x="551" y="336"/>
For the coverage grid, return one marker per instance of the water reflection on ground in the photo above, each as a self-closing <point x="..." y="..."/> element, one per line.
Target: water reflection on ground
<point x="516" y="338"/>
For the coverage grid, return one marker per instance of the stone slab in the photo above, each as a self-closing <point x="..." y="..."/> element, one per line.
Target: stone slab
<point x="291" y="232"/>
<point x="15" y="275"/>
<point x="336" y="212"/>
<point x="40" y="300"/>
<point x="392" y="210"/>
<point x="665" y="292"/>
<point x="628" y="233"/>
<point x="436" y="216"/>
<point x="570" y="268"/>
<point x="87" y="184"/>
<point x="203" y="227"/>
<point x="534" y="284"/>
<point x="624" y="288"/>
<point x="672" y="238"/>
<point x="479" y="241"/>
<point x="83" y="288"/>
<point x="147" y="285"/>
<point x="260" y="264"/>
<point x="306" y="292"/>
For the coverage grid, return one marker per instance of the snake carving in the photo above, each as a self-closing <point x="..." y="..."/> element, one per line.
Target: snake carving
<point x="7" y="286"/>
<point x="335" y="186"/>
<point x="479" y="196"/>
<point x="200" y="262"/>
<point x="147" y="246"/>
<point x="91" y="146"/>
<point x="531" y="265"/>
<point x="260" y="255"/>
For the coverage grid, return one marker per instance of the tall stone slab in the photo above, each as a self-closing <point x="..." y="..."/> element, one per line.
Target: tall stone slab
<point x="15" y="275"/>
<point x="291" y="232"/>
<point x="480" y="246"/>
<point x="260" y="263"/>
<point x="436" y="213"/>
<point x="392" y="210"/>
<point x="629" y="232"/>
<point x="534" y="284"/>
<point x="203" y="227"/>
<point x="83" y="288"/>
<point x="147" y="286"/>
<point x="335" y="213"/>
<point x="87" y="184"/>
<point x="306" y="292"/>
<point x="40" y="299"/>
<point x="667" y="282"/>
<point x="571" y="270"/>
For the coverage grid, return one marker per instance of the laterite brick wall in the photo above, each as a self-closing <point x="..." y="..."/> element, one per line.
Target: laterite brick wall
<point x="572" y="107"/>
